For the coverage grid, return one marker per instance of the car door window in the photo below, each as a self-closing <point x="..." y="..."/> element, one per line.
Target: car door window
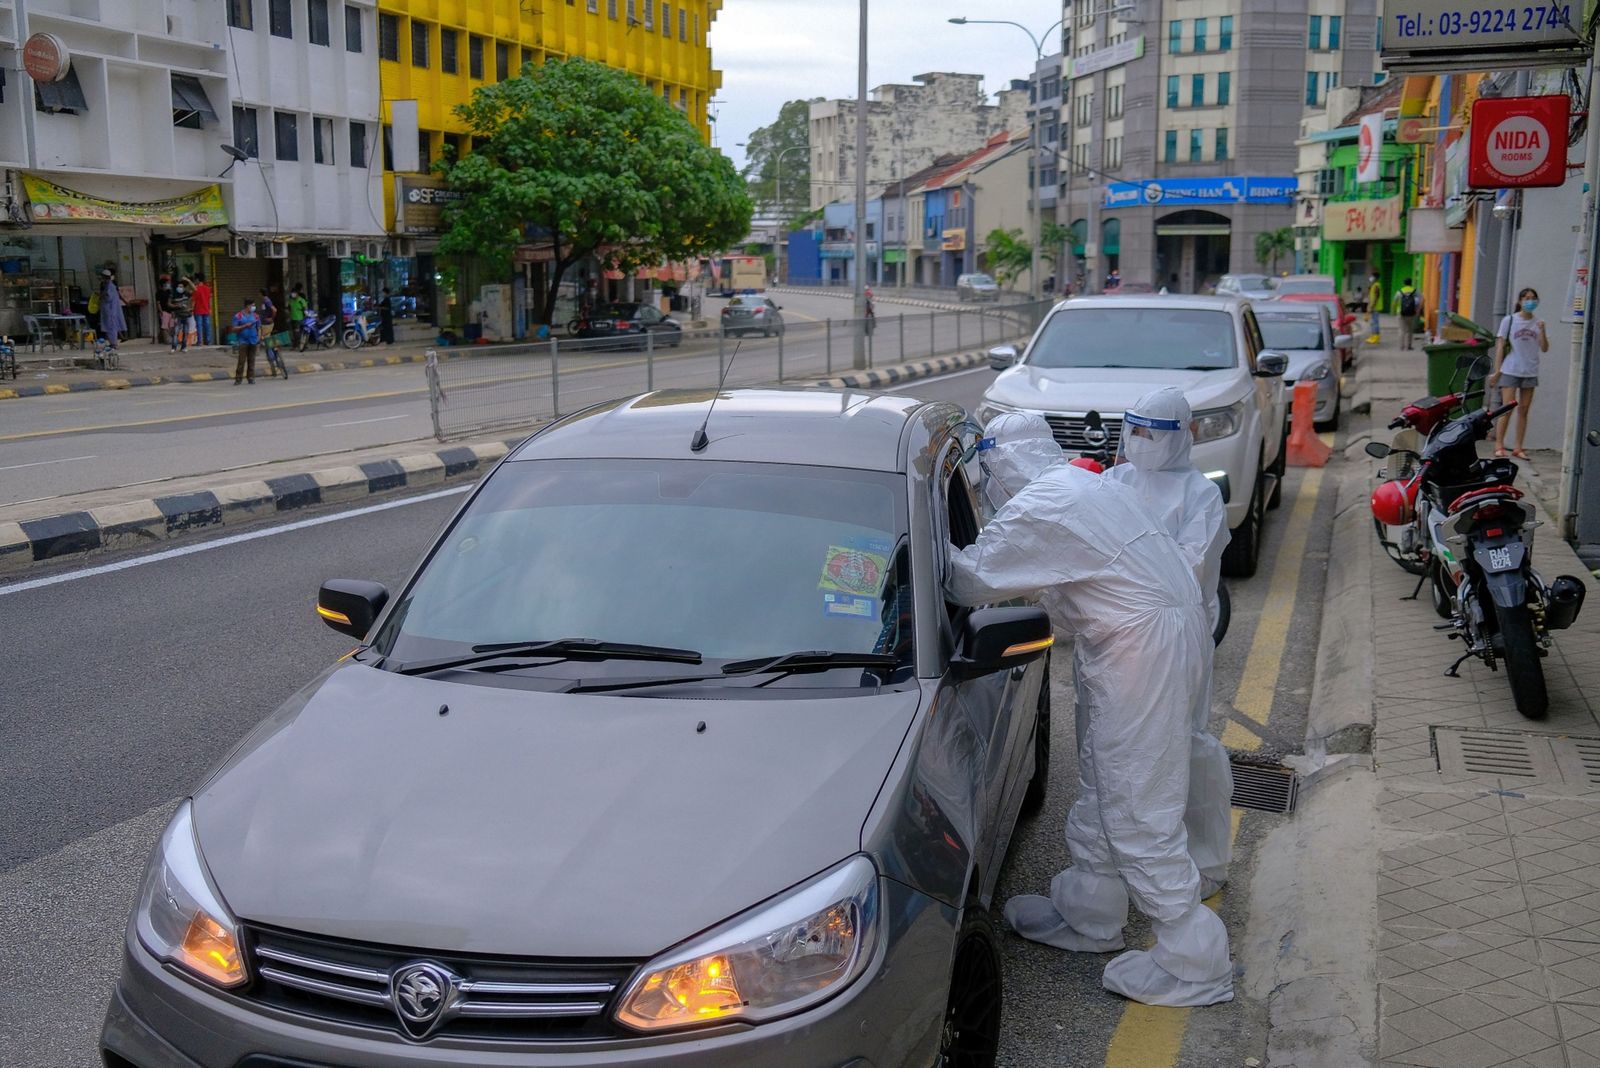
<point x="960" y="519"/>
<point x="1252" y="337"/>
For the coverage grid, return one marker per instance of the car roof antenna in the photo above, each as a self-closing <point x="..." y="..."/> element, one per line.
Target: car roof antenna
<point x="700" y="441"/>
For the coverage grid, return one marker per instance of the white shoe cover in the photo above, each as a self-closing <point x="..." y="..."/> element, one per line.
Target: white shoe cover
<point x="1034" y="917"/>
<point x="1093" y="904"/>
<point x="1188" y="966"/>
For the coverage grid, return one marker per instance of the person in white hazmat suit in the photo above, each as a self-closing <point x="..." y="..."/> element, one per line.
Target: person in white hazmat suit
<point x="1154" y="461"/>
<point x="1116" y="583"/>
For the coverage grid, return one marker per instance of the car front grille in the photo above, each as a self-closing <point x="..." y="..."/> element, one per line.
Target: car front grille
<point x="1069" y="431"/>
<point x="504" y="999"/>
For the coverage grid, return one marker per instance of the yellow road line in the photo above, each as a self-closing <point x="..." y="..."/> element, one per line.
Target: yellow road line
<point x="1259" y="682"/>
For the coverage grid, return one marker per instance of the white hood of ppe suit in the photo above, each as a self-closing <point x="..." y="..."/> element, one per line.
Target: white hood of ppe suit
<point x="1017" y="448"/>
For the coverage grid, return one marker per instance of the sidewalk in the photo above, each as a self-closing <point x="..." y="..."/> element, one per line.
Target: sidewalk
<point x="1484" y="826"/>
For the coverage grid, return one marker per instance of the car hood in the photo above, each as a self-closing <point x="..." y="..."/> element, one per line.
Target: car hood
<point x="535" y="824"/>
<point x="1108" y="390"/>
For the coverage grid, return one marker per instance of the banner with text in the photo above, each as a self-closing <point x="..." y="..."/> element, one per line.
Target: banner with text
<point x="51" y="203"/>
<point x="1363" y="220"/>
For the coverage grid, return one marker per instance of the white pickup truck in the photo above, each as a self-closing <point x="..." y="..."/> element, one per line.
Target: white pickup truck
<point x="1093" y="357"/>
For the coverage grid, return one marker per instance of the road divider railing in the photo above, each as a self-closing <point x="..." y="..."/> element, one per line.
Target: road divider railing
<point x="523" y="385"/>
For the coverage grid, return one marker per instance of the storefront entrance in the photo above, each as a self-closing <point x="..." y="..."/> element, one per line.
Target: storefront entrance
<point x="1192" y="249"/>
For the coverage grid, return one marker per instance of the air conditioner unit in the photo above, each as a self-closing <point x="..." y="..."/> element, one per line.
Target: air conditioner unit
<point x="403" y="247"/>
<point x="275" y="250"/>
<point x="373" y="250"/>
<point x="242" y="248"/>
<point x="339" y="250"/>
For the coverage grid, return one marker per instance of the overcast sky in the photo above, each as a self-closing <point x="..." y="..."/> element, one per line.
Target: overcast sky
<point x="770" y="51"/>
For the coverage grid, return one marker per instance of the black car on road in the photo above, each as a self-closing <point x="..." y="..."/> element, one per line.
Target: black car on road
<point x="628" y="323"/>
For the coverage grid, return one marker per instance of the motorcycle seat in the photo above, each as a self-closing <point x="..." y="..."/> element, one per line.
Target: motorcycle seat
<point x="1483" y="496"/>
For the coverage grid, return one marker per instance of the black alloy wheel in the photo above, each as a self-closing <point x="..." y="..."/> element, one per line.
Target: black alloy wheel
<point x="970" y="1036"/>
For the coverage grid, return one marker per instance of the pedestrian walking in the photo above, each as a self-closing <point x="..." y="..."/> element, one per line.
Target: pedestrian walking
<point x="200" y="290"/>
<point x="112" y="323"/>
<point x="1408" y="305"/>
<point x="1374" y="305"/>
<point x="182" y="304"/>
<point x="246" y="335"/>
<point x="386" y="317"/>
<point x="268" y="313"/>
<point x="164" y="308"/>
<point x="297" y="315"/>
<point x="1521" y="339"/>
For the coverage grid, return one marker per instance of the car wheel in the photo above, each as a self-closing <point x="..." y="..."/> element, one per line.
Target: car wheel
<point x="1243" y="551"/>
<point x="970" y="1036"/>
<point x="1039" y="785"/>
<point x="1332" y="422"/>
<point x="1280" y="467"/>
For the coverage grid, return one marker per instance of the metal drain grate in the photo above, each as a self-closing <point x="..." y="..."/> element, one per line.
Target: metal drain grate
<point x="1265" y="787"/>
<point x="1495" y="754"/>
<point x="1528" y="756"/>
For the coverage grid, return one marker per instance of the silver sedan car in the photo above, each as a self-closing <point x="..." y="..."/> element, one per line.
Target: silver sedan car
<point x="670" y="752"/>
<point x="1304" y="333"/>
<point x="978" y="287"/>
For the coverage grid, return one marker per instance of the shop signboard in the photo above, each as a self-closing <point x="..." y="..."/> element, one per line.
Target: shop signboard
<point x="1427" y="231"/>
<point x="1457" y="203"/>
<point x="1363" y="220"/>
<point x="1518" y="142"/>
<point x="1369" y="149"/>
<point x="1106" y="58"/>
<point x="1435" y="36"/>
<point x="1178" y="193"/>
<point x="52" y="203"/>
<point x="420" y="203"/>
<point x="1308" y="212"/>
<point x="954" y="241"/>
<point x="45" y="57"/>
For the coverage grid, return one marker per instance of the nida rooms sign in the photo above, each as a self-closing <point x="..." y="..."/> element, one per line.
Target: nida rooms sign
<point x="1518" y="142"/>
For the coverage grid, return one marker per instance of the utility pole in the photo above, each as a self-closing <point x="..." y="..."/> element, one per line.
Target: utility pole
<point x="859" y="360"/>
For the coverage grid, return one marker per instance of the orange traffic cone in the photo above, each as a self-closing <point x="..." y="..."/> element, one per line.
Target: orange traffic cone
<point x="1305" y="448"/>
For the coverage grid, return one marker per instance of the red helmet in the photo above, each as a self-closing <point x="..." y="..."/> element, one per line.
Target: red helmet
<point x="1094" y="467"/>
<point x="1394" y="503"/>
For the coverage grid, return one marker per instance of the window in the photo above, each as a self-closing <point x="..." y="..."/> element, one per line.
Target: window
<point x="1328" y="183"/>
<point x="633" y="15"/>
<point x="452" y="147"/>
<point x="1197" y="90"/>
<point x="1194" y="146"/>
<point x="1225" y="33"/>
<point x="611" y="9"/>
<point x="683" y="24"/>
<point x="388" y="147"/>
<point x="60" y="98"/>
<point x="502" y="61"/>
<point x="419" y="44"/>
<point x="1113" y="101"/>
<point x="352" y="28"/>
<point x="322" y="141"/>
<point x="245" y="138"/>
<point x="1111" y="156"/>
<point x="649" y="14"/>
<point x="191" y="107"/>
<point x="1224" y="87"/>
<point x="1314" y="34"/>
<point x="1335" y="24"/>
<point x="1222" y="142"/>
<point x="1330" y="80"/>
<point x="475" y="56"/>
<point x="241" y="14"/>
<point x="389" y="37"/>
<point x="1175" y="37"/>
<point x="280" y="20"/>
<point x="666" y="19"/>
<point x="424" y="150"/>
<point x="448" y="41"/>
<point x="697" y="38"/>
<point x="1199" y="35"/>
<point x="1083" y="108"/>
<point x="317" y="21"/>
<point x="1080" y="159"/>
<point x="358" y="144"/>
<point x="594" y="7"/>
<point x="527" y="57"/>
<point x="1170" y="155"/>
<point x="286" y="135"/>
<point x="1172" y="90"/>
<point x="1311" y="87"/>
<point x="683" y="100"/>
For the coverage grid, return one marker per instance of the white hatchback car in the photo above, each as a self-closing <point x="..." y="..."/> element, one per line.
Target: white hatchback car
<point x="1093" y="357"/>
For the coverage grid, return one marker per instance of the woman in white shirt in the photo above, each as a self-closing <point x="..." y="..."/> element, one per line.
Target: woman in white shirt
<point x="1517" y="372"/>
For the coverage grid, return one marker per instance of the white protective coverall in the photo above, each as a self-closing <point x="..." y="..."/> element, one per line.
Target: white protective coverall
<point x="1156" y="441"/>
<point x="1117" y="584"/>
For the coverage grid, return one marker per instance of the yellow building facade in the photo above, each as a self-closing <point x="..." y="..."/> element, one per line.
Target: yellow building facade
<point x="437" y="52"/>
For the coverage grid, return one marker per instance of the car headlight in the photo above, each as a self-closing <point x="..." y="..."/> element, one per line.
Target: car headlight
<point x="1216" y="423"/>
<point x="1316" y="373"/>
<point x="181" y="919"/>
<point x="777" y="959"/>
<point x="988" y="409"/>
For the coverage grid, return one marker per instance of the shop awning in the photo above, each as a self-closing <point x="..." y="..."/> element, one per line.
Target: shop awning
<point x="189" y="98"/>
<point x="65" y="95"/>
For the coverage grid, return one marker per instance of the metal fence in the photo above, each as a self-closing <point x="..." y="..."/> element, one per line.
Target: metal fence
<point x="517" y="386"/>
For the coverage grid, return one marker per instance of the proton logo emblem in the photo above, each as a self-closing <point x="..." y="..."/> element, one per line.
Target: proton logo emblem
<point x="423" y="994"/>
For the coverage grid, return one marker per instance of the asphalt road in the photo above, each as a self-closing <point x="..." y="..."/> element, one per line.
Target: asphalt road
<point x="70" y="443"/>
<point x="133" y="681"/>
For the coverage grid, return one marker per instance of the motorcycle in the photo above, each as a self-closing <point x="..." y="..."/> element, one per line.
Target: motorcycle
<point x="321" y="331"/>
<point x="358" y="331"/>
<point x="1476" y="552"/>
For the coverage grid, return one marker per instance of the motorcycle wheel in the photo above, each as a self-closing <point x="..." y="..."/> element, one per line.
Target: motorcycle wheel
<point x="1410" y="567"/>
<point x="1522" y="661"/>
<point x="1439" y="591"/>
<point x="1224" y="614"/>
<point x="352" y="338"/>
<point x="327" y="340"/>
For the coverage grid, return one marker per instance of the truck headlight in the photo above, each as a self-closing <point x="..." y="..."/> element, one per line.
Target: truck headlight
<point x="778" y="958"/>
<point x="181" y="919"/>
<point x="1214" y="424"/>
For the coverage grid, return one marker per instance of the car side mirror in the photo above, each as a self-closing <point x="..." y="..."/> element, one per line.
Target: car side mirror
<point x="1593" y="437"/>
<point x="1378" y="450"/>
<point x="1271" y="365"/>
<point x="1343" y="341"/>
<point x="349" y="606"/>
<point x="1002" y="356"/>
<point x="996" y="639"/>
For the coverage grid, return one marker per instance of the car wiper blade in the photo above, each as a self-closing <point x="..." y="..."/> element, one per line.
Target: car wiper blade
<point x="562" y="648"/>
<point x="810" y="660"/>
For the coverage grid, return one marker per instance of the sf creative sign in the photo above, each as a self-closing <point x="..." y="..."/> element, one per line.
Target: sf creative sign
<point x="1434" y="36"/>
<point x="1178" y="193"/>
<point x="1518" y="142"/>
<point x="1363" y="220"/>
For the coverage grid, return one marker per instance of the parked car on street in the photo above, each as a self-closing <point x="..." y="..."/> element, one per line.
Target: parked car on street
<point x="1310" y="289"/>
<point x="671" y="752"/>
<point x="978" y="287"/>
<point x="1253" y="286"/>
<point x="1093" y="357"/>
<point x="752" y="315"/>
<point x="1301" y="284"/>
<point x="628" y="323"/>
<point x="1305" y="334"/>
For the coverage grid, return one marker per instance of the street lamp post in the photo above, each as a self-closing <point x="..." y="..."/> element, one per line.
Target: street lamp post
<point x="860" y="350"/>
<point x="1037" y="213"/>
<point x="778" y="252"/>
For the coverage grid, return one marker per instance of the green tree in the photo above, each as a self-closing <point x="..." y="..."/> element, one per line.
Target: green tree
<point x="1054" y="239"/>
<point x="782" y="150"/>
<point x="1272" y="245"/>
<point x="587" y="158"/>
<point x="1009" y="255"/>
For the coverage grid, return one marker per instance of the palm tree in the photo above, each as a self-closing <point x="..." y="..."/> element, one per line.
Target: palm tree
<point x="1272" y="244"/>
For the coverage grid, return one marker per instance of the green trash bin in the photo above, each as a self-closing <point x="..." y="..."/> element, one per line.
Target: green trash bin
<point x="1452" y="363"/>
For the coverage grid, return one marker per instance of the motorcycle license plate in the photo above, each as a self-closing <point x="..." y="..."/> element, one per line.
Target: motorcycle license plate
<point x="1500" y="559"/>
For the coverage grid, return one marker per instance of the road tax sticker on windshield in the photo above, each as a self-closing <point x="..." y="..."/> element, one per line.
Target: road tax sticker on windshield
<point x="849" y="606"/>
<point x="858" y="569"/>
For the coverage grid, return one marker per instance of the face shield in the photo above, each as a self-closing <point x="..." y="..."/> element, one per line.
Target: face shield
<point x="1017" y="448"/>
<point x="1156" y="433"/>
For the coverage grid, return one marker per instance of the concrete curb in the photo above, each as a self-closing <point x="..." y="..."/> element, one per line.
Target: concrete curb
<point x="905" y="372"/>
<point x="1340" y="718"/>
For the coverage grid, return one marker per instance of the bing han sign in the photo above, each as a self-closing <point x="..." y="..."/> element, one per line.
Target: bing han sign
<point x="1518" y="142"/>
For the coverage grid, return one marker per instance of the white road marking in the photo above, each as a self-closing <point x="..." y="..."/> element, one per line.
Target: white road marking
<point x="359" y="422"/>
<point x="934" y="378"/>
<point x="123" y="565"/>
<point x="41" y="463"/>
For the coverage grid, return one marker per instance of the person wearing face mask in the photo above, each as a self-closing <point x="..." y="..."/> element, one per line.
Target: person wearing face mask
<point x="1115" y="582"/>
<point x="1517" y="348"/>
<point x="1155" y="463"/>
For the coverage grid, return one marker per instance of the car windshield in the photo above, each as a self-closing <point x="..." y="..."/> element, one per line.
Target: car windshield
<point x="980" y="280"/>
<point x="734" y="561"/>
<point x="1153" y="337"/>
<point x="616" y="311"/>
<point x="1306" y="285"/>
<point x="1291" y="333"/>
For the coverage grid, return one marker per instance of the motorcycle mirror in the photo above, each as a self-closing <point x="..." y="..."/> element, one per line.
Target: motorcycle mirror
<point x="1378" y="450"/>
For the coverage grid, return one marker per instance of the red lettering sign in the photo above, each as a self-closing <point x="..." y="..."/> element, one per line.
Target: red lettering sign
<point x="1518" y="142"/>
